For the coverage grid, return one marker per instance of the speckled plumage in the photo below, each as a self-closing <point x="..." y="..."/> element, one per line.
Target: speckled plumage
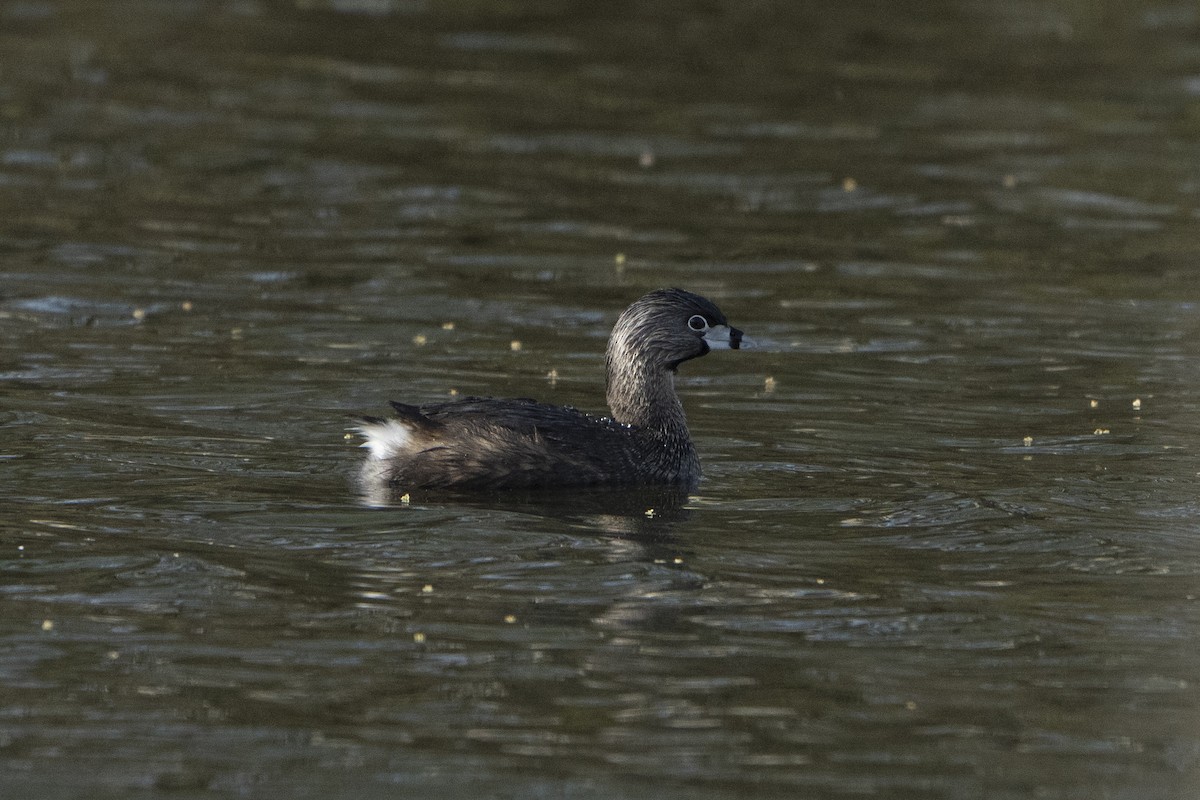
<point x="481" y="444"/>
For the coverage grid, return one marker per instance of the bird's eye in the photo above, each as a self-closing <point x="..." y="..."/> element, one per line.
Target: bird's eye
<point x="698" y="323"/>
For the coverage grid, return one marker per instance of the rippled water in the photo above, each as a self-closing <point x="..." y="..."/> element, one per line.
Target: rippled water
<point x="946" y="546"/>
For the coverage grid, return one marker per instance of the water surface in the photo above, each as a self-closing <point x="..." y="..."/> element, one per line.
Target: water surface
<point x="947" y="539"/>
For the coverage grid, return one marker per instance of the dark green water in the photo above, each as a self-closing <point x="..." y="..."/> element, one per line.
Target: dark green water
<point x="949" y="225"/>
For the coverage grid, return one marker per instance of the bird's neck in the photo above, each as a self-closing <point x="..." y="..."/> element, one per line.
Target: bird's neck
<point x="644" y="395"/>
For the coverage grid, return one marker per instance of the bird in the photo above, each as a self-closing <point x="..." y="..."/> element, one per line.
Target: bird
<point x="484" y="444"/>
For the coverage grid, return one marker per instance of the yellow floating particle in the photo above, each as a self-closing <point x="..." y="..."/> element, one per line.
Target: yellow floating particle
<point x="1101" y="431"/>
<point x="427" y="589"/>
<point x="619" y="259"/>
<point x="1093" y="403"/>
<point x="47" y="624"/>
<point x="454" y="392"/>
<point x="769" y="384"/>
<point x="910" y="705"/>
<point x="646" y="159"/>
<point x="510" y="618"/>
<point x="552" y="376"/>
<point x="1028" y="440"/>
<point x="650" y="512"/>
<point x="186" y="305"/>
<point x="348" y="435"/>
<point x="420" y="339"/>
<point x="1009" y="181"/>
<point x="677" y="560"/>
<point x="820" y="581"/>
<point x="1137" y="403"/>
<point x="236" y="333"/>
<point x="419" y="637"/>
<point x="514" y="345"/>
<point x="447" y="326"/>
<point x="139" y="314"/>
<point x="406" y="498"/>
<point x="849" y="184"/>
<point x="113" y="655"/>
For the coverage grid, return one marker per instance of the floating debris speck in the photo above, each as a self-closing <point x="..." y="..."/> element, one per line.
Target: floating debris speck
<point x="447" y="326"/>
<point x="1028" y="440"/>
<point x="1093" y="403"/>
<point x="47" y="624"/>
<point x="427" y="589"/>
<point x="769" y="384"/>
<point x="514" y="345"/>
<point x="1137" y="404"/>
<point x="510" y="618"/>
<point x="420" y="339"/>
<point x="849" y="184"/>
<point x="419" y="637"/>
<point x="1101" y="432"/>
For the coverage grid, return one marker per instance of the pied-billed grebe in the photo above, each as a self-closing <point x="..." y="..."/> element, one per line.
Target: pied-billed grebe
<point x="484" y="444"/>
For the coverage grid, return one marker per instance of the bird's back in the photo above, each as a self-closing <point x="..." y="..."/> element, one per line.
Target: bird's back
<point x="493" y="444"/>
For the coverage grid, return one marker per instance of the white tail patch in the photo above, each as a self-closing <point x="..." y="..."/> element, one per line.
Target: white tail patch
<point x="386" y="438"/>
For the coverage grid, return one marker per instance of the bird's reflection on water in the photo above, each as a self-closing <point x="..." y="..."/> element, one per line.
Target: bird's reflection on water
<point x="643" y="513"/>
